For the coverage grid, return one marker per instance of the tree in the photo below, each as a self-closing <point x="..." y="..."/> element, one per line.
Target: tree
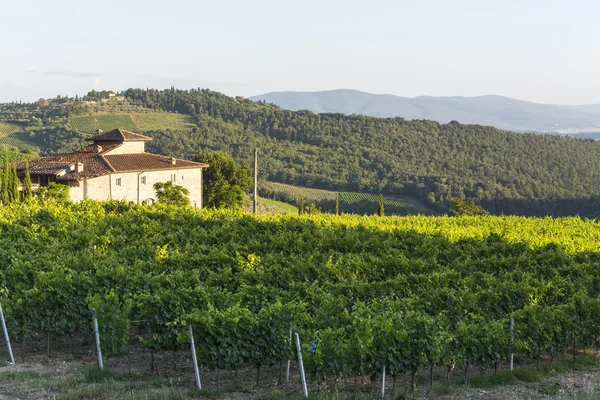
<point x="461" y="208"/>
<point x="13" y="189"/>
<point x="55" y="191"/>
<point x="225" y="181"/>
<point x="301" y="206"/>
<point x="337" y="204"/>
<point x="169" y="193"/>
<point x="380" y="210"/>
<point x="27" y="189"/>
<point x="5" y="179"/>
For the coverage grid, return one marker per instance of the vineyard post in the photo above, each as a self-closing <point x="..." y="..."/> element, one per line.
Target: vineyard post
<point x="301" y="364"/>
<point x="194" y="359"/>
<point x="5" y="329"/>
<point x="512" y="338"/>
<point x="287" y="371"/>
<point x="383" y="383"/>
<point x="97" y="335"/>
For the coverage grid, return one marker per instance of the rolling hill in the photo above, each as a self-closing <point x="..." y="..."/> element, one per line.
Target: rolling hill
<point x="424" y="160"/>
<point x="498" y="111"/>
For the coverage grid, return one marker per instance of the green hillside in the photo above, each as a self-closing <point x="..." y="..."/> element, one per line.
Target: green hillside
<point x="11" y="135"/>
<point x="504" y="172"/>
<point x="149" y="121"/>
<point x="91" y="123"/>
<point x="350" y="202"/>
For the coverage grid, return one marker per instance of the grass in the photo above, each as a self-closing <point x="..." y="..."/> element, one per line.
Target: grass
<point x="19" y="375"/>
<point x="279" y="207"/>
<point x="90" y="124"/>
<point x="485" y="381"/>
<point x="162" y="121"/>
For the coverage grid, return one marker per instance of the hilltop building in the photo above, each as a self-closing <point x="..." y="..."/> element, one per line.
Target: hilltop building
<point x="116" y="166"/>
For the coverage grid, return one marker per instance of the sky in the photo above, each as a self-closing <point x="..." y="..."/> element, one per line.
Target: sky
<point x="542" y="51"/>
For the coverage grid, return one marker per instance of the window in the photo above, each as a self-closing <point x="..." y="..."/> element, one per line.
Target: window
<point x="118" y="181"/>
<point x="181" y="177"/>
<point x="173" y="178"/>
<point x="143" y="180"/>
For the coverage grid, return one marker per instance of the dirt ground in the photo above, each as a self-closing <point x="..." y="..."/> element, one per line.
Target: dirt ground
<point x="73" y="357"/>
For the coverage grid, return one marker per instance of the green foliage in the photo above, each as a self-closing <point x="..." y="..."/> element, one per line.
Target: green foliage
<point x="225" y="181"/>
<point x="113" y="321"/>
<point x="460" y="207"/>
<point x="362" y="292"/>
<point x="170" y="193"/>
<point x="54" y="191"/>
<point x="13" y="189"/>
<point x="301" y="206"/>
<point x="380" y="209"/>
<point x="336" y="208"/>
<point x="5" y="181"/>
<point x="27" y="188"/>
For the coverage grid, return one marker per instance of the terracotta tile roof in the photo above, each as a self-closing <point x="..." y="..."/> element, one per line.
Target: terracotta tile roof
<point x="119" y="135"/>
<point x="148" y="162"/>
<point x="104" y="148"/>
<point x="96" y="164"/>
<point x="48" y="168"/>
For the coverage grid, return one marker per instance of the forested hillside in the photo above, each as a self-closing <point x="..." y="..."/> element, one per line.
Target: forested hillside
<point x="505" y="172"/>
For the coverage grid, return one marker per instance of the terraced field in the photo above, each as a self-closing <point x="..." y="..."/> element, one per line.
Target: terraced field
<point x="91" y="123"/>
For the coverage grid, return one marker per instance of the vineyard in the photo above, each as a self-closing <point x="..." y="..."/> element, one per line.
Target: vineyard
<point x="350" y="202"/>
<point x="90" y="124"/>
<point x="404" y="293"/>
<point x="10" y="136"/>
<point x="162" y="121"/>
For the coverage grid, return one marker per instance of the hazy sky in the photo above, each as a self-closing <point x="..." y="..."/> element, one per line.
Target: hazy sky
<point x="538" y="50"/>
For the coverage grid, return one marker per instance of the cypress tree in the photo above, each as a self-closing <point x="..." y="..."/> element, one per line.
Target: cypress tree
<point x="301" y="206"/>
<point x="14" y="186"/>
<point x="380" y="210"/>
<point x="5" y="179"/>
<point x="27" y="190"/>
<point x="337" y="203"/>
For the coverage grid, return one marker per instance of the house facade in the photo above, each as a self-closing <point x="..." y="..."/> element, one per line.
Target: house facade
<point x="116" y="166"/>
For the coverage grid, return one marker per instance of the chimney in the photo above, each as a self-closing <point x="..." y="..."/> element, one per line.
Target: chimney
<point x="99" y="131"/>
<point x="97" y="149"/>
<point x="79" y="167"/>
<point x="173" y="161"/>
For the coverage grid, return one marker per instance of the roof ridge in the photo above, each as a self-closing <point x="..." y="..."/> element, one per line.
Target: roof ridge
<point x="107" y="163"/>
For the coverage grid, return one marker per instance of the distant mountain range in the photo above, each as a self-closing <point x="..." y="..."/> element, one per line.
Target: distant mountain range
<point x="498" y="111"/>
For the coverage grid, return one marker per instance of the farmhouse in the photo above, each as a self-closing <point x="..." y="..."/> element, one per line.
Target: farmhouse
<point x="116" y="166"/>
